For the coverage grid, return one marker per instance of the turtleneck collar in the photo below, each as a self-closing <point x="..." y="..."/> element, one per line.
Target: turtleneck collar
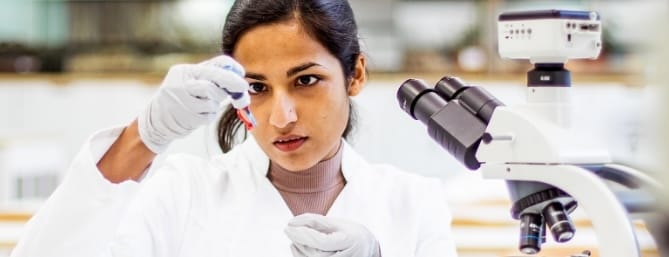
<point x="323" y="176"/>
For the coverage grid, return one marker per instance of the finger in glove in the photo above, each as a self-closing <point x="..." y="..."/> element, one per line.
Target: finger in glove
<point x="300" y="250"/>
<point x="334" y="241"/>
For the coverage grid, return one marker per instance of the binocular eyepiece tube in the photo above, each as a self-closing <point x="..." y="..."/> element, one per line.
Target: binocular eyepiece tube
<point x="456" y="115"/>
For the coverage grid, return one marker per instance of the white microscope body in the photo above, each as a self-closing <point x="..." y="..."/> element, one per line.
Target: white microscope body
<point x="533" y="142"/>
<point x="548" y="167"/>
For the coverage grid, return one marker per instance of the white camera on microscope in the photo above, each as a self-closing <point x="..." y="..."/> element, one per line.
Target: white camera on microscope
<point x="549" y="36"/>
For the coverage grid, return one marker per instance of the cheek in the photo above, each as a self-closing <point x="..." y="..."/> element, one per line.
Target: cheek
<point x="256" y="103"/>
<point x="335" y="114"/>
<point x="261" y="114"/>
<point x="335" y="111"/>
<point x="260" y="107"/>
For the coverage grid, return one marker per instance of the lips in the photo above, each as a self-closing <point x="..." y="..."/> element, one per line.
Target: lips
<point x="289" y="143"/>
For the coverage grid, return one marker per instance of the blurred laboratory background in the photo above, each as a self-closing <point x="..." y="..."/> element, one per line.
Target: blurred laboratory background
<point x="71" y="67"/>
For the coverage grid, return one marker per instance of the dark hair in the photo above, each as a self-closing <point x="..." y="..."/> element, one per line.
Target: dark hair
<point x="330" y="22"/>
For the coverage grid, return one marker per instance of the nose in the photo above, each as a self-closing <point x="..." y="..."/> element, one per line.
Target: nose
<point x="283" y="112"/>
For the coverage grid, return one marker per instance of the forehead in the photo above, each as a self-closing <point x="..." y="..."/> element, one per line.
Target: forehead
<point x="284" y="42"/>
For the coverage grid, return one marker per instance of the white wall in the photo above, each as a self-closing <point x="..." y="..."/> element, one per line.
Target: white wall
<point x="42" y="126"/>
<point x="46" y="122"/>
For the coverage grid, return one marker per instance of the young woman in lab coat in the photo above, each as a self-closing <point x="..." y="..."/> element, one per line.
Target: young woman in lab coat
<point x="295" y="187"/>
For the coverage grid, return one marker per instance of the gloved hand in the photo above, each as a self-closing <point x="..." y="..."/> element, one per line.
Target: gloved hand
<point x="315" y="235"/>
<point x="191" y="96"/>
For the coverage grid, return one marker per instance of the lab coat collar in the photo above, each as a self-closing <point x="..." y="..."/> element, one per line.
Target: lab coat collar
<point x="351" y="160"/>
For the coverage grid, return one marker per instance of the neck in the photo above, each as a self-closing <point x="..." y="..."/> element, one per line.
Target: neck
<point x="310" y="190"/>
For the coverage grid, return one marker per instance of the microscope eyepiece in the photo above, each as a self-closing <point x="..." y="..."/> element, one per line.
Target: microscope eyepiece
<point x="414" y="90"/>
<point x="408" y="93"/>
<point x="449" y="87"/>
<point x="475" y="99"/>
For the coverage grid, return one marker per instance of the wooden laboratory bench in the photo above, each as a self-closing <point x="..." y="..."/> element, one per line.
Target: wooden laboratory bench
<point x="14" y="216"/>
<point x="474" y="237"/>
<point x="11" y="225"/>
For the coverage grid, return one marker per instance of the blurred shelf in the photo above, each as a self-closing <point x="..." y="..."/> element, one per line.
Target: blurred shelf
<point x="155" y="78"/>
<point x="625" y="79"/>
<point x="14" y="216"/>
<point x="62" y="79"/>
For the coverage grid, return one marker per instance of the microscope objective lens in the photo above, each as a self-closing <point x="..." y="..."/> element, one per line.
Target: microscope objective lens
<point x="531" y="227"/>
<point x="558" y="222"/>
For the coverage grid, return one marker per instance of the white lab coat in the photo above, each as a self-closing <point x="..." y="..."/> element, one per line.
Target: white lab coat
<point x="225" y="207"/>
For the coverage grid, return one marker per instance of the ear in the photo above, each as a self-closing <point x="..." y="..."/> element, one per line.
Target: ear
<point x="359" y="76"/>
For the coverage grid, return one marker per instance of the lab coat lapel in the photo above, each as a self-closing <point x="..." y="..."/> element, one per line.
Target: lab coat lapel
<point x="262" y="232"/>
<point x="266" y="197"/>
<point x="267" y="215"/>
<point x="353" y="168"/>
<point x="360" y="201"/>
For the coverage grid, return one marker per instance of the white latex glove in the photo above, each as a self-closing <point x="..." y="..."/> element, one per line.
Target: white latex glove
<point x="315" y="235"/>
<point x="190" y="96"/>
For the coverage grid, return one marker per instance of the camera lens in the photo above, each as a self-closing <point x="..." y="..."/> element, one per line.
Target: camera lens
<point x="531" y="227"/>
<point x="558" y="222"/>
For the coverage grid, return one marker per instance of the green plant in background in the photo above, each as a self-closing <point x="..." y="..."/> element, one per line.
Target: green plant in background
<point x="610" y="45"/>
<point x="471" y="37"/>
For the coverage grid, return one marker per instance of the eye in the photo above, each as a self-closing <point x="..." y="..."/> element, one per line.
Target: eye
<point x="256" y="88"/>
<point x="307" y="80"/>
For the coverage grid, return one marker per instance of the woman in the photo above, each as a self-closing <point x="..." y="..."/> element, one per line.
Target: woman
<point x="295" y="187"/>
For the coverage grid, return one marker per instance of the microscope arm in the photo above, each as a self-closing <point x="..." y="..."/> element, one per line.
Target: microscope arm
<point x="627" y="176"/>
<point x="614" y="231"/>
<point x="643" y="198"/>
<point x="642" y="190"/>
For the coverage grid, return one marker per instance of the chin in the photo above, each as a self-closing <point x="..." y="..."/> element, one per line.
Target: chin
<point x="295" y="163"/>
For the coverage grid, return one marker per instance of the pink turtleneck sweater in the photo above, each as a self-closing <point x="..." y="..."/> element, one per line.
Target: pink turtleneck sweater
<point x="312" y="190"/>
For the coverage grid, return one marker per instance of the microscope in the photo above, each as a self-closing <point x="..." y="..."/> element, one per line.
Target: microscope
<point x="549" y="168"/>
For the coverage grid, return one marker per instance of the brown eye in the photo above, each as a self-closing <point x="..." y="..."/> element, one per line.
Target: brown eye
<point x="307" y="80"/>
<point x="256" y="88"/>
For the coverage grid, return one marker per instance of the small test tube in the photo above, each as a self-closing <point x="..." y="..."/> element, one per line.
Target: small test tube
<point x="244" y="114"/>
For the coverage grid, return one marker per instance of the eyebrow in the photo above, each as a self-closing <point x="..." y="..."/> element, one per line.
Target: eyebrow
<point x="255" y="76"/>
<point x="296" y="69"/>
<point x="290" y="72"/>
